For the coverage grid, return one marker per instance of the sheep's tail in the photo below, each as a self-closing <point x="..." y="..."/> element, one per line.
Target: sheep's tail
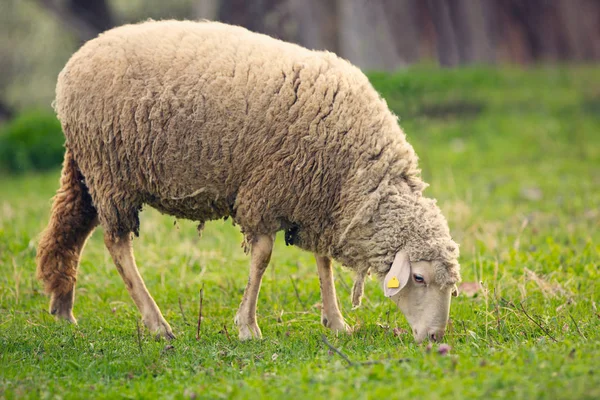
<point x="72" y="220"/>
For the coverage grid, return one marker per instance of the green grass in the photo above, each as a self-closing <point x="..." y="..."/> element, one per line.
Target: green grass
<point x="513" y="158"/>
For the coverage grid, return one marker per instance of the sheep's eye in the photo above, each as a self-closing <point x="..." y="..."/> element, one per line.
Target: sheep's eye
<point x="418" y="278"/>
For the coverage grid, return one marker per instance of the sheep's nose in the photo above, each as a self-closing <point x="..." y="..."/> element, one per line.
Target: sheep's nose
<point x="436" y="335"/>
<point x="418" y="338"/>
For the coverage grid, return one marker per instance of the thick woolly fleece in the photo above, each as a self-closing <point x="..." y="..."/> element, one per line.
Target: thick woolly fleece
<point x="204" y="120"/>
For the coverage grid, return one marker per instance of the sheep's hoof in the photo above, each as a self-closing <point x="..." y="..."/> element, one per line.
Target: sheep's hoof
<point x="160" y="328"/>
<point x="337" y="325"/>
<point x="62" y="307"/>
<point x="247" y="331"/>
<point x="356" y="302"/>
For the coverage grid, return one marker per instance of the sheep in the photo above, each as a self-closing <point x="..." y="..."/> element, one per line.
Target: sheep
<point x="204" y="120"/>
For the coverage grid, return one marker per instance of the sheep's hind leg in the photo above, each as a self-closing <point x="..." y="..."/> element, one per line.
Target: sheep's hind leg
<point x="121" y="251"/>
<point x="73" y="219"/>
<point x="331" y="317"/>
<point x="245" y="319"/>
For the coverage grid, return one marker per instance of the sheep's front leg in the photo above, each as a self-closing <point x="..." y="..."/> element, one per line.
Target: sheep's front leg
<point x="245" y="319"/>
<point x="358" y="289"/>
<point x="331" y="316"/>
<point x="121" y="252"/>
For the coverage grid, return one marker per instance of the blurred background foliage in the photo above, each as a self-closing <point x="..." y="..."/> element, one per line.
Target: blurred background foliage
<point x="38" y="36"/>
<point x="31" y="141"/>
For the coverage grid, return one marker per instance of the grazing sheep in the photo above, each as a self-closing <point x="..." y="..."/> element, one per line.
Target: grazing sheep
<point x="203" y="120"/>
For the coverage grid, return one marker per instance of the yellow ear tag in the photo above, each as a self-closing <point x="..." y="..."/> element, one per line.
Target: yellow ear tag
<point x="393" y="283"/>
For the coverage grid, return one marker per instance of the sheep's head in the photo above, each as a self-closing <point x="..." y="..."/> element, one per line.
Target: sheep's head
<point x="420" y="294"/>
<point x="404" y="239"/>
<point x="424" y="271"/>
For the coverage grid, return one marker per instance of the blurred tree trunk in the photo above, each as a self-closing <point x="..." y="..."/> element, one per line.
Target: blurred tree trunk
<point x="531" y="16"/>
<point x="243" y="12"/>
<point x="250" y="14"/>
<point x="582" y="25"/>
<point x="470" y="20"/>
<point x="316" y="23"/>
<point x="95" y="13"/>
<point x="403" y="20"/>
<point x="86" y="18"/>
<point x="367" y="34"/>
<point x="545" y="30"/>
<point x="264" y="16"/>
<point x="446" y="40"/>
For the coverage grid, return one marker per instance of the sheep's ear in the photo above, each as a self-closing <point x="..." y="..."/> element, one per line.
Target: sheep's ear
<point x="398" y="275"/>
<point x="455" y="291"/>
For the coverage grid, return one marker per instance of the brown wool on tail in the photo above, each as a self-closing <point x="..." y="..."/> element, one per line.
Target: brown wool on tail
<point x="72" y="219"/>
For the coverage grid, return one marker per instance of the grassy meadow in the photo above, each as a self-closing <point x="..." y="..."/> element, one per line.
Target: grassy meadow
<point x="513" y="157"/>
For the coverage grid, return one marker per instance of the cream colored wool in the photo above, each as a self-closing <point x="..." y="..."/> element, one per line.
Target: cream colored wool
<point x="204" y="120"/>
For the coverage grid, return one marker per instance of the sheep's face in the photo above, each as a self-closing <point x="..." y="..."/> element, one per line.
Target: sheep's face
<point x="424" y="301"/>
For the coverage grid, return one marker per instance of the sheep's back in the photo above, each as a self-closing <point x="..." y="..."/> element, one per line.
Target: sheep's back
<point x="204" y="120"/>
